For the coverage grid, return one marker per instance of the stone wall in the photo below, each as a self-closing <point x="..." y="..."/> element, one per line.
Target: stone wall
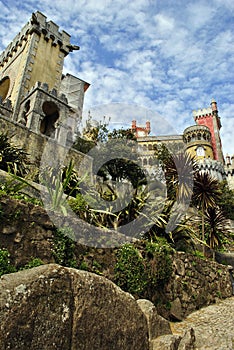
<point x="38" y="146"/>
<point x="196" y="283"/>
<point x="28" y="232"/>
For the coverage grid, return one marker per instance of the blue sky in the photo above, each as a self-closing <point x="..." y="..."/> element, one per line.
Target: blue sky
<point x="156" y="60"/>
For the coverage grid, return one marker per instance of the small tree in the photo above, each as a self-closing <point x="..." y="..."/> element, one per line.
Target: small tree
<point x="226" y="200"/>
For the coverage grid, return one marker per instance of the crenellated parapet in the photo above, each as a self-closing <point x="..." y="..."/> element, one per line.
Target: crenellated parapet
<point x="44" y="87"/>
<point x="209" y="117"/>
<point x="48" y="30"/>
<point x="197" y="132"/>
<point x="213" y="167"/>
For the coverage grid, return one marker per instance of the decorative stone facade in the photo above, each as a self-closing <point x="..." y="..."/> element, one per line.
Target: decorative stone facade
<point x="201" y="141"/>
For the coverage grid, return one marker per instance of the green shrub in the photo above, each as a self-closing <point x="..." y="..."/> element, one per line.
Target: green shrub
<point x="5" y="264"/>
<point x="64" y="246"/>
<point x="34" y="262"/>
<point x="12" y="159"/>
<point x="83" y="266"/>
<point x="130" y="272"/>
<point x="199" y="254"/>
<point x="142" y="269"/>
<point x="159" y="263"/>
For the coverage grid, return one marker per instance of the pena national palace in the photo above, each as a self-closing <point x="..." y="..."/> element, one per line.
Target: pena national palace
<point x="38" y="102"/>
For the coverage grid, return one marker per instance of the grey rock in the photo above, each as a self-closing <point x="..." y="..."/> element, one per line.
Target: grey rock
<point x="176" y="309"/>
<point x="53" y="307"/>
<point x="166" y="342"/>
<point x="157" y="325"/>
<point x="188" y="340"/>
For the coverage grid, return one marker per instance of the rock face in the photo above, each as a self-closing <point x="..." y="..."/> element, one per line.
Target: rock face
<point x="160" y="334"/>
<point x="53" y="307"/>
<point x="157" y="325"/>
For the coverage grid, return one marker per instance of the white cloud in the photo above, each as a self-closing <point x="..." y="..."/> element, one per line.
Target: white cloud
<point x="166" y="56"/>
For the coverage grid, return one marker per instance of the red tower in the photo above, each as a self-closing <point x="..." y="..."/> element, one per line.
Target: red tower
<point x="210" y="118"/>
<point x="140" y="131"/>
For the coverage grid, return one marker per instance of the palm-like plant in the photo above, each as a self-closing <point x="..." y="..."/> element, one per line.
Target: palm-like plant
<point x="179" y="169"/>
<point x="205" y="195"/>
<point x="218" y="226"/>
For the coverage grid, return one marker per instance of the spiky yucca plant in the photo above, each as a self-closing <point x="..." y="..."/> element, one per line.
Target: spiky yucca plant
<point x="218" y="226"/>
<point x="205" y="195"/>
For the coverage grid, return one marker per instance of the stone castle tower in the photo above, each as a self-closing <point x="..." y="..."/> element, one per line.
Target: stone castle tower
<point x="35" y="95"/>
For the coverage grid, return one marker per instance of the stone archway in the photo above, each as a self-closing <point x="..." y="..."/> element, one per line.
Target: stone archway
<point x="51" y="112"/>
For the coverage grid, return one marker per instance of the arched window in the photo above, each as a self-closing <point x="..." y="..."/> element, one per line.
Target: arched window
<point x="51" y="111"/>
<point x="4" y="87"/>
<point x="144" y="161"/>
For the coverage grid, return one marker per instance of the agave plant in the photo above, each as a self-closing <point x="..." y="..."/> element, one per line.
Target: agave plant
<point x="60" y="184"/>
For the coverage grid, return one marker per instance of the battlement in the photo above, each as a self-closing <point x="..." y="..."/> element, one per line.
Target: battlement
<point x="229" y="162"/>
<point x="38" y="24"/>
<point x="45" y="88"/>
<point x="202" y="112"/>
<point x="215" y="168"/>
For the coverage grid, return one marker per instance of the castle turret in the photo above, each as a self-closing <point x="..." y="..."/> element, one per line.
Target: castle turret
<point x="197" y="139"/>
<point x="140" y="130"/>
<point x="210" y="118"/>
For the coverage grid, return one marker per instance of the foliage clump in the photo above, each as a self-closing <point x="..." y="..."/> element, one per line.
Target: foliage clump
<point x="140" y="269"/>
<point x="12" y="158"/>
<point x="5" y="263"/>
<point x="64" y="247"/>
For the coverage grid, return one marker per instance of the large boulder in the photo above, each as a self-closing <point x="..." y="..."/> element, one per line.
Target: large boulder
<point x="157" y="325"/>
<point x="175" y="342"/>
<point x="53" y="307"/>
